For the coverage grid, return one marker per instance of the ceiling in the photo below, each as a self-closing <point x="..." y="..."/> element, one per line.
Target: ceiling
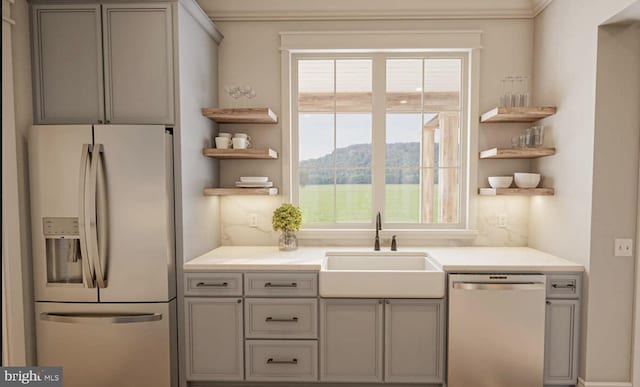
<point x="237" y="10"/>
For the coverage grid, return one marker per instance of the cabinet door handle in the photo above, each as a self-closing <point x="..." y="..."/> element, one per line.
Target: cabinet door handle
<point x="272" y="285"/>
<point x="272" y="361"/>
<point x="271" y="319"/>
<point x="206" y="285"/>
<point x="563" y="286"/>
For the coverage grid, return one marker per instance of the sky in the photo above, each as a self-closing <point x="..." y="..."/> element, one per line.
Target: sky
<point x="316" y="135"/>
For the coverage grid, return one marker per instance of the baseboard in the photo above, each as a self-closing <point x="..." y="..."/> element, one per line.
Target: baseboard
<point x="584" y="383"/>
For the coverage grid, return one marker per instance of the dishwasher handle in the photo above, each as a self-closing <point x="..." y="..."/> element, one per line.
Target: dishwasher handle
<point x="499" y="286"/>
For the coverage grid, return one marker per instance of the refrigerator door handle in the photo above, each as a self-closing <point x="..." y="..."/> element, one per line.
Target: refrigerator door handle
<point x="100" y="318"/>
<point x="103" y="221"/>
<point x="94" y="243"/>
<point x="87" y="266"/>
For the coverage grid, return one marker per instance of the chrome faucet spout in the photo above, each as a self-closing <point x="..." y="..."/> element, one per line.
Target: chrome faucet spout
<point x="376" y="245"/>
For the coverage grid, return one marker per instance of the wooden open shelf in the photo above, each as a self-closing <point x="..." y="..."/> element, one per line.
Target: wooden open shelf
<point x="268" y="153"/>
<point x="516" y="191"/>
<point x="516" y="153"/>
<point x="518" y="114"/>
<point x="241" y="115"/>
<point x="240" y="191"/>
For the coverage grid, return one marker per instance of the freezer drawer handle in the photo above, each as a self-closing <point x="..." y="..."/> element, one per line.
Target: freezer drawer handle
<point x="499" y="286"/>
<point x="271" y="319"/>
<point x="206" y="285"/>
<point x="272" y="285"/>
<point x="272" y="361"/>
<point x="100" y="318"/>
<point x="563" y="286"/>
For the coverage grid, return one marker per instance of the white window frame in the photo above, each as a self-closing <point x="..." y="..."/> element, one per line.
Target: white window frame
<point x="410" y="44"/>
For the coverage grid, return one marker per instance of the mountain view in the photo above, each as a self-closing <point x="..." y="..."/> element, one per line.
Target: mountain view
<point x="359" y="155"/>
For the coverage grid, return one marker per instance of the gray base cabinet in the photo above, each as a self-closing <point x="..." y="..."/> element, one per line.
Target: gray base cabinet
<point x="414" y="341"/>
<point x="561" y="342"/>
<point x="214" y="338"/>
<point x="356" y="334"/>
<point x="351" y="340"/>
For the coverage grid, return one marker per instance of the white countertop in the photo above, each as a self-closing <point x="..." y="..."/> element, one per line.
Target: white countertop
<point x="452" y="259"/>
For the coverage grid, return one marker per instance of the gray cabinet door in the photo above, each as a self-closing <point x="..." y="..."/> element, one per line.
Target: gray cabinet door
<point x="67" y="64"/>
<point x="414" y="341"/>
<point x="138" y="56"/>
<point x="561" y="342"/>
<point x="351" y="340"/>
<point x="214" y="339"/>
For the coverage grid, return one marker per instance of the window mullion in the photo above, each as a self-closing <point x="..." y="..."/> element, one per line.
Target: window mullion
<point x="379" y="135"/>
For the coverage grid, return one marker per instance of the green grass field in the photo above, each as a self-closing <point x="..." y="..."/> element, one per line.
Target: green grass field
<point x="353" y="203"/>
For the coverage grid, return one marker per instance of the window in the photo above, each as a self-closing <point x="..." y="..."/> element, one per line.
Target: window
<point x="380" y="132"/>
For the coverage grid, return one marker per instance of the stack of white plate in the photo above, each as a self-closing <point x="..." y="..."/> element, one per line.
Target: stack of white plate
<point x="254" y="182"/>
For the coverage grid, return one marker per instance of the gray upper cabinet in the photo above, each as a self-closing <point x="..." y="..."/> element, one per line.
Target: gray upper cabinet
<point x="110" y="63"/>
<point x="214" y="338"/>
<point x="414" y="341"/>
<point x="67" y="64"/>
<point x="351" y="340"/>
<point x="138" y="55"/>
<point x="561" y="342"/>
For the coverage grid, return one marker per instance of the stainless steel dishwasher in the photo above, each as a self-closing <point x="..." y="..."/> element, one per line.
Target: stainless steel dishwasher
<point x="496" y="330"/>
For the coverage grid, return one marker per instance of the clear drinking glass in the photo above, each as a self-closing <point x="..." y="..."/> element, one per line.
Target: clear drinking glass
<point x="538" y="136"/>
<point x="521" y="92"/>
<point x="515" y="142"/>
<point x="527" y="99"/>
<point x="503" y="96"/>
<point x="513" y="96"/>
<point x="529" y="137"/>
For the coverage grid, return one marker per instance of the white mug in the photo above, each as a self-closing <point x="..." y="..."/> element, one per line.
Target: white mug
<point x="223" y="134"/>
<point x="222" y="142"/>
<point x="242" y="135"/>
<point x="240" y="143"/>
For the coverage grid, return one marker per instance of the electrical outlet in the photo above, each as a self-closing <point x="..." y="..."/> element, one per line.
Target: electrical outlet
<point x="623" y="247"/>
<point x="502" y="221"/>
<point x="253" y="220"/>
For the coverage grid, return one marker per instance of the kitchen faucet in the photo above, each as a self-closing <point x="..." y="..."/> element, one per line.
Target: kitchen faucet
<point x="376" y="246"/>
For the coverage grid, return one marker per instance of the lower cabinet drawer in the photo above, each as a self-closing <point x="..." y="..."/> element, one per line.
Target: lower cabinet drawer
<point x="281" y="318"/>
<point x="282" y="360"/>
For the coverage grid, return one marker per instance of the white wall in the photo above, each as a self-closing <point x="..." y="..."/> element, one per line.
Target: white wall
<point x="249" y="55"/>
<point x="594" y="171"/>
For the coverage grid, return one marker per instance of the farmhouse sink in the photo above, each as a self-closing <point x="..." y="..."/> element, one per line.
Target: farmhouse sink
<point x="380" y="275"/>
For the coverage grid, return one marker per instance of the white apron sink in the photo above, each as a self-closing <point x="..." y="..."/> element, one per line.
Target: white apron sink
<point x="380" y="275"/>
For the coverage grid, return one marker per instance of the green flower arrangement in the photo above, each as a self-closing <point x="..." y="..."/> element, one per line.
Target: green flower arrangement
<point x="287" y="217"/>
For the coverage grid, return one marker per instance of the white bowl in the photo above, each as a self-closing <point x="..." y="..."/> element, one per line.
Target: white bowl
<point x="254" y="179"/>
<point x="527" y="180"/>
<point x="500" y="181"/>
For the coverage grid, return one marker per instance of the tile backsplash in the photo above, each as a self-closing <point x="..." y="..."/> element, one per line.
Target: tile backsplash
<point x="236" y="211"/>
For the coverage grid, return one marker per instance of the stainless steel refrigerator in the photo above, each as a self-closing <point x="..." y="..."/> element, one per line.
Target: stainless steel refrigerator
<point x="102" y="215"/>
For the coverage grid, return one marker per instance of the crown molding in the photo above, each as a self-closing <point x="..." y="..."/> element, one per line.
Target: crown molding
<point x="539" y="6"/>
<point x="331" y="10"/>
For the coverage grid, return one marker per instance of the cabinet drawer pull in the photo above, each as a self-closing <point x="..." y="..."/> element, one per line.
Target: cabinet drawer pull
<point x="272" y="361"/>
<point x="272" y="285"/>
<point x="271" y="319"/>
<point x="563" y="286"/>
<point x="206" y="285"/>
